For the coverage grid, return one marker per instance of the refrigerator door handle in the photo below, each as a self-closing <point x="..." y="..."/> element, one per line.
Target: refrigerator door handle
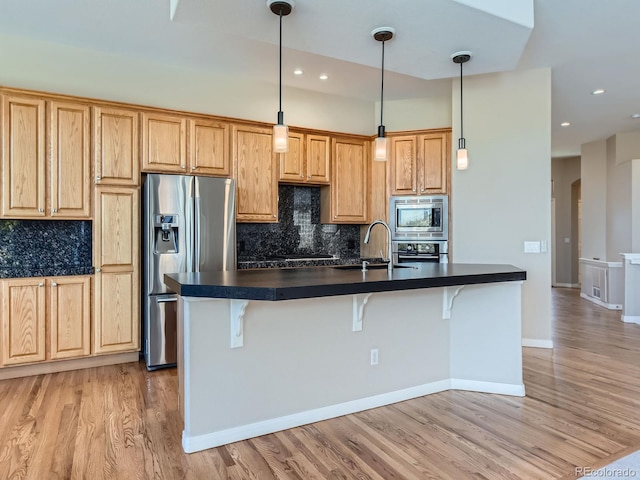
<point x="197" y="226"/>
<point x="166" y="299"/>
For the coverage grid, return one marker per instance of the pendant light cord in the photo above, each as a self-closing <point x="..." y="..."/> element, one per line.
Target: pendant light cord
<point x="382" y="84"/>
<point x="461" y="122"/>
<point x="280" y="68"/>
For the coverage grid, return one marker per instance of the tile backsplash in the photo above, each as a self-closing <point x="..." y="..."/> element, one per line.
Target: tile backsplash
<point x="33" y="248"/>
<point x="298" y="230"/>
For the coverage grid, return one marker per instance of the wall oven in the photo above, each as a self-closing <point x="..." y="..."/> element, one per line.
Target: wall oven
<point x="417" y="218"/>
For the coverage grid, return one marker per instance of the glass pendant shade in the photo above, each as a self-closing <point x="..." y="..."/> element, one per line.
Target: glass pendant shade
<point x="462" y="159"/>
<point x="380" y="149"/>
<point x="280" y="138"/>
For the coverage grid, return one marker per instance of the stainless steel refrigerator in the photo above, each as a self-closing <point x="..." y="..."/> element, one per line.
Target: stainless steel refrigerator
<point x="189" y="226"/>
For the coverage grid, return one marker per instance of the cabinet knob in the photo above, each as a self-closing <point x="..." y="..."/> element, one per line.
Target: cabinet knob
<point x="193" y="168"/>
<point x="98" y="178"/>
<point x="98" y="269"/>
<point x="54" y="284"/>
<point x="55" y="210"/>
<point x="183" y="166"/>
<point x="302" y="175"/>
<point x="422" y="189"/>
<point x="274" y="215"/>
<point x="309" y="176"/>
<point x="41" y="284"/>
<point x="41" y="210"/>
<point x="413" y="190"/>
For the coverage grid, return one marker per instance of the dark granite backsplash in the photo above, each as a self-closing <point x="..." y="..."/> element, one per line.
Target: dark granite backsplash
<point x="34" y="248"/>
<point x="298" y="230"/>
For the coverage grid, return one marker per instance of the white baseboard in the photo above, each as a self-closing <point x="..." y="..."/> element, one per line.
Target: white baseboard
<point x="597" y="301"/>
<point x="488" y="387"/>
<point x="566" y="285"/>
<point x="630" y="319"/>
<point x="197" y="443"/>
<point x="537" y="343"/>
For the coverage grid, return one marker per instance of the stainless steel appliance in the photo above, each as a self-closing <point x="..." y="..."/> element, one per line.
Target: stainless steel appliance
<point x="189" y="226"/>
<point x="420" y="251"/>
<point x="419" y="217"/>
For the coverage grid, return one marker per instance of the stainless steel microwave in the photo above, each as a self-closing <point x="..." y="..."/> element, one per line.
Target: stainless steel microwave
<point x="419" y="217"/>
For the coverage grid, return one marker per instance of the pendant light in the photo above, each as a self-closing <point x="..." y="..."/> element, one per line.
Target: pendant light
<point x="382" y="34"/>
<point x="462" y="156"/>
<point x="282" y="8"/>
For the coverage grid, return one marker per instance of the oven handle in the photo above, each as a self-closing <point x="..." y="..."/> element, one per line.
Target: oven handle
<point x="417" y="256"/>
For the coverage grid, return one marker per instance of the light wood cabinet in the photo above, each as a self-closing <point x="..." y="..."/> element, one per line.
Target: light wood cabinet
<point x="40" y="182"/>
<point x="346" y="200"/>
<point x="378" y="210"/>
<point x="23" y="321"/>
<point x="23" y="157"/>
<point x="70" y="147"/>
<point x="307" y="161"/>
<point x="255" y="171"/>
<point x="70" y="317"/>
<point x="164" y="143"/>
<point x="34" y="309"/>
<point x="420" y="163"/>
<point x="116" y="316"/>
<point x="209" y="148"/>
<point x="116" y="145"/>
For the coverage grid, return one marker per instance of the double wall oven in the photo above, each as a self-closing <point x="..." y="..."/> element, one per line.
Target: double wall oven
<point x="419" y="228"/>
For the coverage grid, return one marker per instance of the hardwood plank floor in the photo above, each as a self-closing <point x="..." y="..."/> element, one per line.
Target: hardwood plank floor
<point x="582" y="409"/>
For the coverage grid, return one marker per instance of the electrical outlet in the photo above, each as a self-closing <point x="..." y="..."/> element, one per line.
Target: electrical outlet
<point x="374" y="356"/>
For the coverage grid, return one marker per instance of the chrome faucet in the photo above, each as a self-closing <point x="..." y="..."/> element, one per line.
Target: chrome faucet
<point x="389" y="251"/>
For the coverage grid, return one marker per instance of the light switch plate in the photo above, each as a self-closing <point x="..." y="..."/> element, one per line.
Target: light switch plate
<point x="531" y="247"/>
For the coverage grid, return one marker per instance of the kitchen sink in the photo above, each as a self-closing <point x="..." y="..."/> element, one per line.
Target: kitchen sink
<point x="374" y="266"/>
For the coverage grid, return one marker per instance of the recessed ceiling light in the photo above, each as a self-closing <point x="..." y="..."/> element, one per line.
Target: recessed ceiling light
<point x="324" y="76"/>
<point x="565" y="124"/>
<point x="298" y="71"/>
<point x="598" y="91"/>
<point x="635" y="115"/>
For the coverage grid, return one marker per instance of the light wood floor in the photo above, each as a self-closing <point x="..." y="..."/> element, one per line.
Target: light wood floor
<point x="121" y="422"/>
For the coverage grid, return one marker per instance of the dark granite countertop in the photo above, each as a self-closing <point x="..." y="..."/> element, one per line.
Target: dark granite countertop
<point x="44" y="271"/>
<point x="296" y="283"/>
<point x="268" y="262"/>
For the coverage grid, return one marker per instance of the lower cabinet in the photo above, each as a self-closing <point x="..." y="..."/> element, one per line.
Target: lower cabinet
<point x="47" y="318"/>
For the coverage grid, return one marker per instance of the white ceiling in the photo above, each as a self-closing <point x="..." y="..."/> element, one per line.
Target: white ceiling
<point x="588" y="44"/>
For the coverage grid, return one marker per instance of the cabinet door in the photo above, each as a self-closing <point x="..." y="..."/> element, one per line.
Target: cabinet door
<point x="404" y="165"/>
<point x="209" y="148"/>
<point x="117" y="312"/>
<point x="23" y="321"/>
<point x="70" y="164"/>
<point x="70" y="317"/>
<point x="292" y="165"/>
<point x="254" y="166"/>
<point x="349" y="181"/>
<point x="23" y="157"/>
<point x="116" y="139"/>
<point x="116" y="251"/>
<point x="164" y="143"/>
<point x="434" y="165"/>
<point x="318" y="156"/>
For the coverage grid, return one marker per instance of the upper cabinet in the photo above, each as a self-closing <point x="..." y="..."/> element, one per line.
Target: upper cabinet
<point x="346" y="200"/>
<point x="116" y="146"/>
<point x="41" y="182"/>
<point x="185" y="145"/>
<point x="209" y="148"/>
<point x="164" y="142"/>
<point x="307" y="161"/>
<point x="254" y="168"/>
<point x="420" y="163"/>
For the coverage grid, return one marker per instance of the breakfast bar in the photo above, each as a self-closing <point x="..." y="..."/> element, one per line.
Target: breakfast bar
<point x="264" y="350"/>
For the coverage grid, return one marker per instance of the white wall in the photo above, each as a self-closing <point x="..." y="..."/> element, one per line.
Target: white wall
<point x="416" y="114"/>
<point x="593" y="175"/>
<point x="619" y="186"/>
<point x="25" y="63"/>
<point x="504" y="198"/>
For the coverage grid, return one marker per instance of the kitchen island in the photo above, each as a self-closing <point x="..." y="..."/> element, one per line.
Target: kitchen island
<point x="265" y="350"/>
